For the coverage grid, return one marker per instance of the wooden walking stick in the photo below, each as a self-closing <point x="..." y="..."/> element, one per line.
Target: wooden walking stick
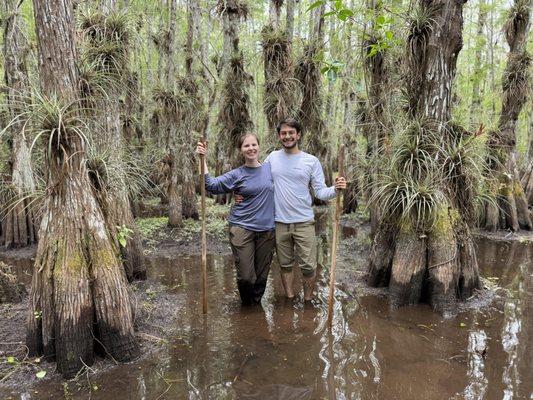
<point x="336" y="220"/>
<point x="203" y="248"/>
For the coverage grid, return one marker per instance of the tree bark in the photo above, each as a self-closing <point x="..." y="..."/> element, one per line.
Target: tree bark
<point x="420" y="260"/>
<point x="10" y="290"/>
<point x="79" y="291"/>
<point x="234" y="115"/>
<point x="20" y="224"/>
<point x="289" y="28"/>
<point x="175" y="183"/>
<point x="376" y="129"/>
<point x="478" y="64"/>
<point x="316" y="135"/>
<point x="189" y="206"/>
<point x="511" y="208"/>
<point x="116" y="203"/>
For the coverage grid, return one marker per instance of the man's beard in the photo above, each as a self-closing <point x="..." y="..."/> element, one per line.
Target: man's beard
<point x="289" y="145"/>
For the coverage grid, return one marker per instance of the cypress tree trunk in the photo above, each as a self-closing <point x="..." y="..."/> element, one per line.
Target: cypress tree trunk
<point x="10" y="290"/>
<point x="79" y="292"/>
<point x="234" y="115"/>
<point x="376" y="133"/>
<point x="115" y="200"/>
<point x="511" y="209"/>
<point x="20" y="222"/>
<point x="478" y="64"/>
<point x="420" y="254"/>
<point x="175" y="182"/>
<point x="189" y="171"/>
<point x="353" y="121"/>
<point x="315" y="131"/>
<point x="280" y="86"/>
<point x="289" y="27"/>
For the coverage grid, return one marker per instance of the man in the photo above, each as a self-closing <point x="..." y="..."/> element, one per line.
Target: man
<point x="294" y="172"/>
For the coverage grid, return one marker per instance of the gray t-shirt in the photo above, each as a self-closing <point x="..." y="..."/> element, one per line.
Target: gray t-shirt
<point x="293" y="175"/>
<point x="256" y="211"/>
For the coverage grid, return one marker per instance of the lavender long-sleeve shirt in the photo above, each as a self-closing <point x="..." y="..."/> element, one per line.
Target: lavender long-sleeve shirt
<point x="256" y="211"/>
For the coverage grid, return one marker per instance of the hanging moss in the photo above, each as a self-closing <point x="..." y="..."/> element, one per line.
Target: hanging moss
<point x="233" y="7"/>
<point x="234" y="116"/>
<point x="281" y="87"/>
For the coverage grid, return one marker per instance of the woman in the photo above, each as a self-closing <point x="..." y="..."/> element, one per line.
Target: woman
<point x="251" y="222"/>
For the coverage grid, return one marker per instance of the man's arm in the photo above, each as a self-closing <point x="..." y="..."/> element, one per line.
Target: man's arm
<point x="318" y="183"/>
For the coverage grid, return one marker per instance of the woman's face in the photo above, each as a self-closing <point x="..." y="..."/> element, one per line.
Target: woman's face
<point x="250" y="148"/>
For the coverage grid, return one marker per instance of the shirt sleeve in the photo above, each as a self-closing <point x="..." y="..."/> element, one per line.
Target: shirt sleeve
<point x="318" y="183"/>
<point x="223" y="183"/>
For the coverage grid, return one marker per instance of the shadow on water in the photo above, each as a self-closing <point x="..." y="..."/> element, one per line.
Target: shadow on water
<point x="283" y="350"/>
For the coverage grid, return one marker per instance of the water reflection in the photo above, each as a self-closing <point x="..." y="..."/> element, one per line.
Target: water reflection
<point x="283" y="350"/>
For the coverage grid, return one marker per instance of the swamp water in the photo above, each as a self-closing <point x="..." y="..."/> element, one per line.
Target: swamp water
<point x="283" y="350"/>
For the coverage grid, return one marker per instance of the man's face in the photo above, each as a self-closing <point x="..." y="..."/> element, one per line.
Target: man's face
<point x="288" y="136"/>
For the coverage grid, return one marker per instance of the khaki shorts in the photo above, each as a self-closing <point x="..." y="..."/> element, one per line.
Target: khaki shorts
<point x="297" y="243"/>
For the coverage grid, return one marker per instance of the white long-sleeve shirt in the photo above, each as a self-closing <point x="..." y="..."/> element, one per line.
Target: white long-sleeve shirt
<point x="293" y="175"/>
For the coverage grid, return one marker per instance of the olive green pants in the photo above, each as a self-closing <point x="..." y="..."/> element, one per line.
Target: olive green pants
<point x="297" y="243"/>
<point x="252" y="252"/>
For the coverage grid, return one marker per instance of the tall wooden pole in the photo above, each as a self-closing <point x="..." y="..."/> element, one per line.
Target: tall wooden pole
<point x="336" y="220"/>
<point x="203" y="262"/>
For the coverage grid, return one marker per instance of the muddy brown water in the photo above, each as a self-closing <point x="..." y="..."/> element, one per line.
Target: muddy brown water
<point x="283" y="350"/>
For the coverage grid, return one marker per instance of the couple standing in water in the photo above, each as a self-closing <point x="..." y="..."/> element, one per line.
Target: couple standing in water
<point x="274" y="208"/>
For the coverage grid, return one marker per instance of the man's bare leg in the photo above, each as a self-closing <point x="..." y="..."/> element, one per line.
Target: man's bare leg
<point x="287" y="278"/>
<point x="309" y="286"/>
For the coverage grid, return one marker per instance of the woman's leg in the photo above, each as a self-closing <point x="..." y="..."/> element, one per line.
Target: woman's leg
<point x="264" y="250"/>
<point x="243" y="248"/>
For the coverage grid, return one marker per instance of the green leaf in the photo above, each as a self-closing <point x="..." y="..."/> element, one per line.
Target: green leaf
<point x="11" y="360"/>
<point x="389" y="35"/>
<point x="122" y="240"/>
<point x="330" y="13"/>
<point x="40" y="374"/>
<point x="332" y="75"/>
<point x="338" y="4"/>
<point x="325" y="69"/>
<point x="345" y="14"/>
<point x="380" y="20"/>
<point x="316" y="4"/>
<point x="337" y="64"/>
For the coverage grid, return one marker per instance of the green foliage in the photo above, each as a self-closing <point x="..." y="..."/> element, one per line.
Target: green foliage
<point x="432" y="167"/>
<point x="155" y="229"/>
<point x="337" y="9"/>
<point x="332" y="69"/>
<point x="149" y="226"/>
<point x="123" y="234"/>
<point x="107" y="39"/>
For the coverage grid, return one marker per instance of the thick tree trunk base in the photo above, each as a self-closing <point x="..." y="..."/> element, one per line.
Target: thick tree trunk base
<point x="189" y="205"/>
<point x="381" y="256"/>
<point x="510" y="211"/>
<point x="79" y="293"/>
<point x="527" y="184"/>
<point x="408" y="270"/>
<point x="174" y="205"/>
<point x="10" y="290"/>
<point x="19" y="226"/>
<point x="439" y="268"/>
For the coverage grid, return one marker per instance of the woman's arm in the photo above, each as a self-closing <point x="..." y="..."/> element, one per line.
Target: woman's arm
<point x="223" y="183"/>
